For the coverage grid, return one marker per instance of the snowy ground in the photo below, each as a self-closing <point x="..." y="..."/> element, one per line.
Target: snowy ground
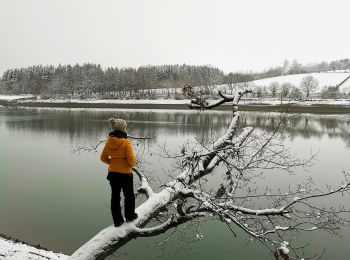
<point x="247" y="101"/>
<point x="18" y="251"/>
<point x="14" y="97"/>
<point x="114" y="101"/>
<point x="324" y="79"/>
<point x="276" y="102"/>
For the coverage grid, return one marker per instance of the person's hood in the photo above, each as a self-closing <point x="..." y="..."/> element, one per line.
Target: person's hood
<point x="114" y="142"/>
<point x="115" y="139"/>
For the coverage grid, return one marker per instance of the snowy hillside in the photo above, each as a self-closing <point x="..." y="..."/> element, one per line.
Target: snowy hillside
<point x="324" y="78"/>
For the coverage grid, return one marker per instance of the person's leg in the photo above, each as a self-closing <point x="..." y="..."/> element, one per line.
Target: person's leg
<point x="115" y="183"/>
<point x="129" y="197"/>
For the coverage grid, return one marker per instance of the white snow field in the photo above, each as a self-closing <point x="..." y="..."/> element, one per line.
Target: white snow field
<point x="10" y="250"/>
<point x="325" y="79"/>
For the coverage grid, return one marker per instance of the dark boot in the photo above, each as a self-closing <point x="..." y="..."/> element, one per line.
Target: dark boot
<point x="133" y="218"/>
<point x="118" y="223"/>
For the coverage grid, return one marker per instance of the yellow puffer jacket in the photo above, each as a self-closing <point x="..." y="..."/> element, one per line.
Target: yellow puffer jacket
<point x="119" y="154"/>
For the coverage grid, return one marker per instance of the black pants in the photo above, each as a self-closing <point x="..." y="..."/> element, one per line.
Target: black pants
<point x="118" y="182"/>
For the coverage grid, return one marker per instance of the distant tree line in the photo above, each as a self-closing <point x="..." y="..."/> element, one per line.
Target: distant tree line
<point x="91" y="80"/>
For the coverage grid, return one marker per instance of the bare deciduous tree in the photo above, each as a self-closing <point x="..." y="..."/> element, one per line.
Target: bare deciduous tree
<point x="308" y="85"/>
<point x="285" y="89"/>
<point x="274" y="88"/>
<point x="236" y="158"/>
<point x="295" y="93"/>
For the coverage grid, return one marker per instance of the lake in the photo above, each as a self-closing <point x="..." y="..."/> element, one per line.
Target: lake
<point x="52" y="197"/>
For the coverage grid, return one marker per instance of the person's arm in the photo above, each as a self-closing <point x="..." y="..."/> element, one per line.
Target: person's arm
<point x="130" y="155"/>
<point x="104" y="156"/>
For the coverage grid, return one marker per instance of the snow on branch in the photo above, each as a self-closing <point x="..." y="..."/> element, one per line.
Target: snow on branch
<point x="199" y="102"/>
<point x="174" y="221"/>
<point x="145" y="187"/>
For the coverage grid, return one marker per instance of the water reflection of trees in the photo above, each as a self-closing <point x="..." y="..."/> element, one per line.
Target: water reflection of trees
<point x="92" y="124"/>
<point x="303" y="125"/>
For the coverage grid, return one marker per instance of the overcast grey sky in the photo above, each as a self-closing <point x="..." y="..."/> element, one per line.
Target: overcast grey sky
<point x="234" y="35"/>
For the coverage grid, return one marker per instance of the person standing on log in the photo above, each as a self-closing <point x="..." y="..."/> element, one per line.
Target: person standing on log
<point x="119" y="154"/>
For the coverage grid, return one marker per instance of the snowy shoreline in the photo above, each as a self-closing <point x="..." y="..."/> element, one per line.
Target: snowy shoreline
<point x="249" y="104"/>
<point x="11" y="249"/>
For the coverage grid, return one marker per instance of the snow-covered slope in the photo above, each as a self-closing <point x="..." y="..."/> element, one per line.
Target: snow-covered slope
<point x="324" y="79"/>
<point x="10" y="250"/>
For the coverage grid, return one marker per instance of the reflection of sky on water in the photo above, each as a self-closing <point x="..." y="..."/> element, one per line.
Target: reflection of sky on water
<point x="44" y="190"/>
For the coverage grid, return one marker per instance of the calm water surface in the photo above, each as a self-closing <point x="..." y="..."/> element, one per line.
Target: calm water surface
<point x="49" y="196"/>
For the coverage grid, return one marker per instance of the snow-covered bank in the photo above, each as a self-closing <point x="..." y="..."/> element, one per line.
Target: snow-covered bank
<point x="10" y="250"/>
<point x="315" y="102"/>
<point x="248" y="101"/>
<point x="112" y="101"/>
<point x="248" y="104"/>
<point x="14" y="97"/>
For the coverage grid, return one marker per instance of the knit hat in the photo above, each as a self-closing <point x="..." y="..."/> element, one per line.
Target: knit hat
<point x="117" y="124"/>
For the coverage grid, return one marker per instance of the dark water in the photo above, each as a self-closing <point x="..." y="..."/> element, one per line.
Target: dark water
<point x="49" y="196"/>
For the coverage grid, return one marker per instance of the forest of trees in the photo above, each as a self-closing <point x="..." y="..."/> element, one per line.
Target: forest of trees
<point x="91" y="80"/>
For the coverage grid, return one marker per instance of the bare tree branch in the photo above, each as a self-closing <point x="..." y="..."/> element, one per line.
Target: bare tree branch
<point x="145" y="187"/>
